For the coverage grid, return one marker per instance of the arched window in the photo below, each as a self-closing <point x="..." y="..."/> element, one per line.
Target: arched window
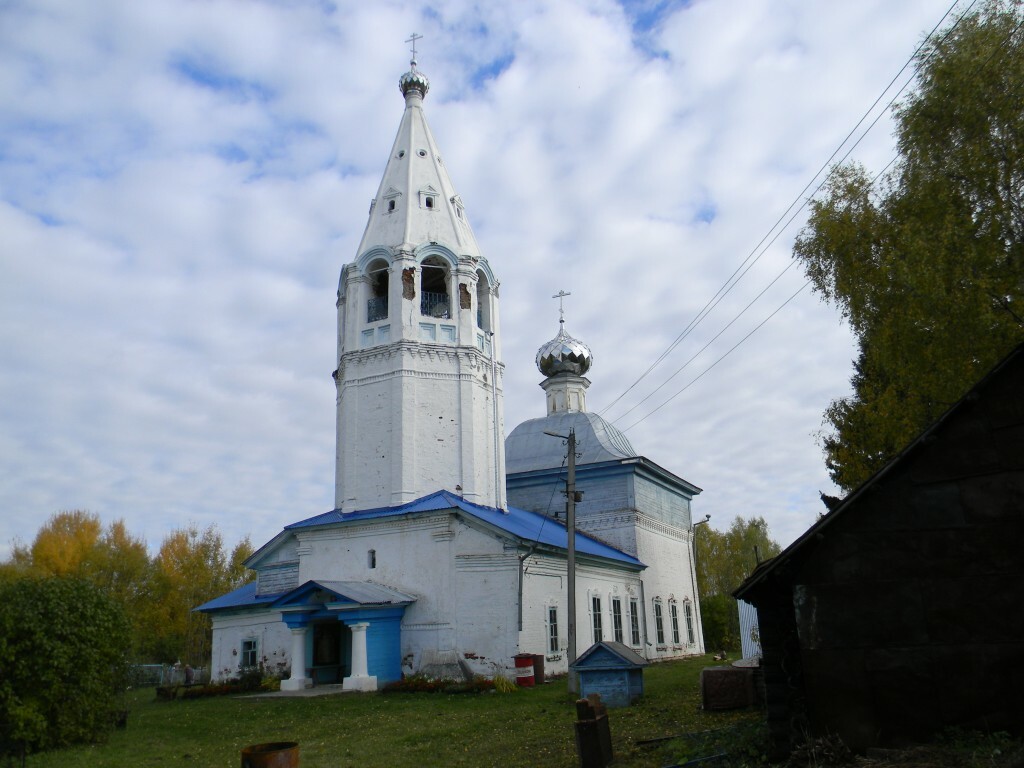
<point x="371" y="558"/>
<point x="483" y="302"/>
<point x="377" y="304"/>
<point x="688" y="613"/>
<point x="434" y="299"/>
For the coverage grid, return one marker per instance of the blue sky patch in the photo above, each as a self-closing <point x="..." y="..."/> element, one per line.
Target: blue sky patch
<point x="705" y="213"/>
<point x="206" y="73"/>
<point x="646" y="15"/>
<point x="491" y="70"/>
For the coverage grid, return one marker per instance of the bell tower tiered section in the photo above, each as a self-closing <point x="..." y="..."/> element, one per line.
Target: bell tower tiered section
<point x="419" y="405"/>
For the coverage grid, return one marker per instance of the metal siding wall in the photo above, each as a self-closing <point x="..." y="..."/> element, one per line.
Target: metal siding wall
<point x="748" y="623"/>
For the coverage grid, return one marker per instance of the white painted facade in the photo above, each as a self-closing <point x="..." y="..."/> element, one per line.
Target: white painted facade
<point x="422" y="508"/>
<point x="418" y="374"/>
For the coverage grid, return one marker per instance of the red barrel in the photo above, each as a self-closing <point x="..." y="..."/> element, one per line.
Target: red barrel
<point x="278" y="754"/>
<point x="524" y="670"/>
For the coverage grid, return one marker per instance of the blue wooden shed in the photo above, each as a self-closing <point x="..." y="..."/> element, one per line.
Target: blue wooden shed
<point x="613" y="670"/>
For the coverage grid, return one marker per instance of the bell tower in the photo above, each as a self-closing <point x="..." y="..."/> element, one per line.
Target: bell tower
<point x="419" y="401"/>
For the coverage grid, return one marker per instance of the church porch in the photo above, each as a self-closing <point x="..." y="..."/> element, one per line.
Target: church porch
<point x="347" y="632"/>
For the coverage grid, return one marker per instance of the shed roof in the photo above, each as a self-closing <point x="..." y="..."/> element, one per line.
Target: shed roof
<point x="608" y="654"/>
<point x="806" y="542"/>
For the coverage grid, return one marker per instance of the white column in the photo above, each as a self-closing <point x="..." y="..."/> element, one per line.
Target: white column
<point x="298" y="681"/>
<point x="359" y="680"/>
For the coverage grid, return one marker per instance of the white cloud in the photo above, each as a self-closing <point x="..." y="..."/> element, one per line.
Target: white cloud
<point x="180" y="184"/>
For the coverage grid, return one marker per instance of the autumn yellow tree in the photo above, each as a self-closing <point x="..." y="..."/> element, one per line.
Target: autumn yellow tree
<point x="157" y="595"/>
<point x="66" y="543"/>
<point x="192" y="567"/>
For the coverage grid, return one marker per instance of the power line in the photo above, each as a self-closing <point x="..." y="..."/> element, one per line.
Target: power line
<point x="744" y="267"/>
<point x="706" y="370"/>
<point x="1003" y="45"/>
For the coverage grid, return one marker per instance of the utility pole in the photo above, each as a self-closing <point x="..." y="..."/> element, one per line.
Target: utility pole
<point x="570" y="530"/>
<point x="570" y="527"/>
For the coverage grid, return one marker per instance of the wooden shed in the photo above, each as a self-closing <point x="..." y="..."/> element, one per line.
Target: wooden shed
<point x="613" y="670"/>
<point x="897" y="614"/>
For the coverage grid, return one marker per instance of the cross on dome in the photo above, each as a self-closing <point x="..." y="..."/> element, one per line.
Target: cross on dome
<point x="413" y="81"/>
<point x="412" y="39"/>
<point x="564" y="354"/>
<point x="561" y="304"/>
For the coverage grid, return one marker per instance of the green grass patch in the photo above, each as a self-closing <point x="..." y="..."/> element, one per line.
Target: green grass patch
<point x="528" y="727"/>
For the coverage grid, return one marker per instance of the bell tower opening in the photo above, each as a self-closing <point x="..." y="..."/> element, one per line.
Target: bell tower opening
<point x="377" y="303"/>
<point x="434" y="298"/>
<point x="483" y="302"/>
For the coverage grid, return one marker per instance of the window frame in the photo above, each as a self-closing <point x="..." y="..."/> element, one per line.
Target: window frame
<point x="634" y="622"/>
<point x="617" y="633"/>
<point x="553" y="644"/>
<point x="596" y="622"/>
<point x="673" y="615"/>
<point x="252" y="652"/>
<point x="659" y="621"/>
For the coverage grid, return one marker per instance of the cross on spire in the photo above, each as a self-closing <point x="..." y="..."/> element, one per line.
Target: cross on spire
<point x="412" y="39"/>
<point x="561" y="305"/>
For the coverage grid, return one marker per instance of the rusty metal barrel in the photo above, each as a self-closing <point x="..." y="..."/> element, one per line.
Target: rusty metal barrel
<point x="524" y="670"/>
<point x="275" y="754"/>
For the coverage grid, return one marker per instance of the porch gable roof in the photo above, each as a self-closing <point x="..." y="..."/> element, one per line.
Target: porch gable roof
<point x="363" y="593"/>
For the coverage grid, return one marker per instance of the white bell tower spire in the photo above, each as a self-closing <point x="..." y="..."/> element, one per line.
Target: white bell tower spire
<point x="419" y="409"/>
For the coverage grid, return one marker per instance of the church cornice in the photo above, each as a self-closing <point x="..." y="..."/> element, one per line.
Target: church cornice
<point x="463" y="355"/>
<point x="623" y="518"/>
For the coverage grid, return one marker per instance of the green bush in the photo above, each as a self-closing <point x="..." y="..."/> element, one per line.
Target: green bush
<point x="63" y="665"/>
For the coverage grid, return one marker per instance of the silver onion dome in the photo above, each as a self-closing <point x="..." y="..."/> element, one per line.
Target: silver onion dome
<point x="564" y="354"/>
<point x="414" y="80"/>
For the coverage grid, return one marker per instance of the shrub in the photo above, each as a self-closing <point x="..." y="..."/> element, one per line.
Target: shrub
<point x="422" y="684"/>
<point x="63" y="665"/>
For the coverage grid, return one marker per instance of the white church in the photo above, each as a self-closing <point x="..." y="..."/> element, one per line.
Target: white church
<point x="444" y="550"/>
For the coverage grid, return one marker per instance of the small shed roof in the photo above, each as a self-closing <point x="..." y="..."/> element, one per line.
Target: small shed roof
<point x="607" y="654"/>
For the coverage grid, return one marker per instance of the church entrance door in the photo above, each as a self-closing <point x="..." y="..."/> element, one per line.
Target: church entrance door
<point x="328" y="652"/>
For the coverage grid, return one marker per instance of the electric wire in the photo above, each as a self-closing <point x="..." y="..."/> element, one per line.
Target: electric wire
<point x="999" y="49"/>
<point x="740" y="271"/>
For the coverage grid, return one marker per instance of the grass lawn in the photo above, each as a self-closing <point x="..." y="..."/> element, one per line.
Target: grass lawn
<point x="530" y="727"/>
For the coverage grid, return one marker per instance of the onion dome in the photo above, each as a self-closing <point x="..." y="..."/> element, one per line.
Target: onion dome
<point x="564" y="354"/>
<point x="414" y="80"/>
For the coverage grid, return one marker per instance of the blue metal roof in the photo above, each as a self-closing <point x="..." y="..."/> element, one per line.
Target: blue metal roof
<point x="523" y="524"/>
<point x="357" y="592"/>
<point x="242" y="597"/>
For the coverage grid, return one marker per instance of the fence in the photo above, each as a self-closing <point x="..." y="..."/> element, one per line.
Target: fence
<point x="144" y="675"/>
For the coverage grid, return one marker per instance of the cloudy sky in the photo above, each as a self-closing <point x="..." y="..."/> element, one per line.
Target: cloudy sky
<point x="181" y="182"/>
